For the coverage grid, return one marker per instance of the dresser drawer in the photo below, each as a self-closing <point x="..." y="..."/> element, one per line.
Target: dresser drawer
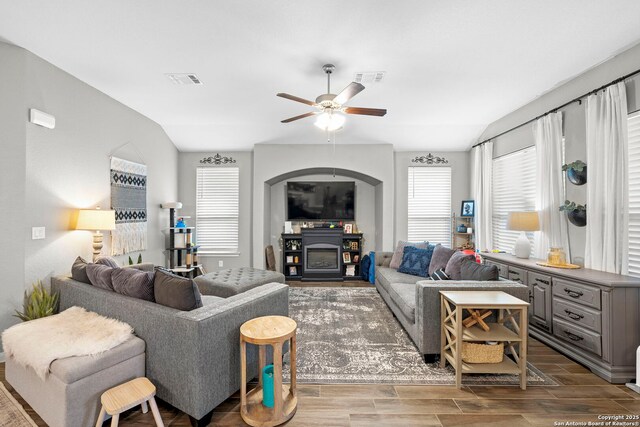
<point x="537" y="278"/>
<point x="577" y="336"/>
<point x="577" y="314"/>
<point x="577" y="292"/>
<point x="517" y="274"/>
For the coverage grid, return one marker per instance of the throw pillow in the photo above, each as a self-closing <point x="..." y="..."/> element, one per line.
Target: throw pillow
<point x="175" y="291"/>
<point x="108" y="261"/>
<point x="440" y="258"/>
<point x="79" y="270"/>
<point x="416" y="261"/>
<point x="453" y="266"/>
<point x="133" y="283"/>
<point x="439" y="274"/>
<point x="100" y="276"/>
<point x="471" y="270"/>
<point x="396" y="259"/>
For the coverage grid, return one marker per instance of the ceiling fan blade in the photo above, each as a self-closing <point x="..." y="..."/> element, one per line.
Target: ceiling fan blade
<point x="348" y="92"/>
<point x="366" y="111"/>
<point x="296" y="98"/>
<point x="301" y="116"/>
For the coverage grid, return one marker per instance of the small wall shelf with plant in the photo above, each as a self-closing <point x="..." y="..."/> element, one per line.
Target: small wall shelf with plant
<point x="577" y="214"/>
<point x="576" y="172"/>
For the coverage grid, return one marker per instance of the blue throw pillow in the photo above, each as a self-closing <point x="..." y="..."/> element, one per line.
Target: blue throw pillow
<point x="416" y="261"/>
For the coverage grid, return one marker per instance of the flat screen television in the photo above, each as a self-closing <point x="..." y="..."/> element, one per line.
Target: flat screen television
<point x="321" y="201"/>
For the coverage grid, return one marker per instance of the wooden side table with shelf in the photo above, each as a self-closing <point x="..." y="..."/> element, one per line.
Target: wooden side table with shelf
<point x="454" y="334"/>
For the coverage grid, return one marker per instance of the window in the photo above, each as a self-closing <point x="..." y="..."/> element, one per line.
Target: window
<point x="217" y="200"/>
<point x="514" y="190"/>
<point x="429" y="209"/>
<point x="634" y="194"/>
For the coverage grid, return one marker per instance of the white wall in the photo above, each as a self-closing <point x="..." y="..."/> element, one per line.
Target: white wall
<point x="365" y="204"/>
<point x="187" y="190"/>
<point x="61" y="170"/>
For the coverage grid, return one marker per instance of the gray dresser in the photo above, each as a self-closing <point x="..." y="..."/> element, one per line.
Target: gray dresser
<point x="588" y="315"/>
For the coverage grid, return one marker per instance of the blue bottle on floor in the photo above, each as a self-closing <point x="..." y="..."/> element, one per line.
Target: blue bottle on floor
<point x="267" y="386"/>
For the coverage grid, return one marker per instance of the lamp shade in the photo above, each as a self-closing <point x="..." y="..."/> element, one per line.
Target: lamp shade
<point x="523" y="221"/>
<point x="96" y="219"/>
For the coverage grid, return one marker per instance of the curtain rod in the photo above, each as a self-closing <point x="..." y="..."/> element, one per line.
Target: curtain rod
<point x="578" y="99"/>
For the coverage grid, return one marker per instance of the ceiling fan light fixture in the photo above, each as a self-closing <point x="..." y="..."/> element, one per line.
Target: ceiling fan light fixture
<point x="330" y="121"/>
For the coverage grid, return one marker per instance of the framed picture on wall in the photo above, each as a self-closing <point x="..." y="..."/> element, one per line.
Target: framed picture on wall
<point x="468" y="208"/>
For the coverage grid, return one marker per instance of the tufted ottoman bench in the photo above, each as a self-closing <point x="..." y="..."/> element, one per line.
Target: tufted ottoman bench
<point x="232" y="281"/>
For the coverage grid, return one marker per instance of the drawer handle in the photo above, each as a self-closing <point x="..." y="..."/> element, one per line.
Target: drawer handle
<point x="514" y="272"/>
<point x="573" y="337"/>
<point x="546" y="282"/>
<point x="572" y="293"/>
<point x="574" y="316"/>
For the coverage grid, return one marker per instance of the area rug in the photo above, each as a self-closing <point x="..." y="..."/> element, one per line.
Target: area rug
<point x="12" y="414"/>
<point x="350" y="336"/>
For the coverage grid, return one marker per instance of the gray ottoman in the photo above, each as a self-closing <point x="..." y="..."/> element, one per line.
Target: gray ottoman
<point x="70" y="396"/>
<point x="232" y="281"/>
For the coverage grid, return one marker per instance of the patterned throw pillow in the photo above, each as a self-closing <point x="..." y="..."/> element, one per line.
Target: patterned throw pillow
<point x="133" y="283"/>
<point x="398" y="255"/>
<point x="439" y="275"/>
<point x="416" y="261"/>
<point x="100" y="276"/>
<point x="108" y="261"/>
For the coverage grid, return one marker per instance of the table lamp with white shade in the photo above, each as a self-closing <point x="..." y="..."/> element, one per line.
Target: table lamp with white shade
<point x="523" y="222"/>
<point x="96" y="220"/>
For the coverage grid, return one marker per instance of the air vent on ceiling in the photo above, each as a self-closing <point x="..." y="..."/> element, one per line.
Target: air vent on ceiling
<point x="184" y="79"/>
<point x="367" y="77"/>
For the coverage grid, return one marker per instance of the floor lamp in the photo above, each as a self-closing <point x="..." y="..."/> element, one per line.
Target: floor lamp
<point x="96" y="220"/>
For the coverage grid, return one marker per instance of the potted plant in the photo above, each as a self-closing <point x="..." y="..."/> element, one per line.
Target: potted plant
<point x="576" y="172"/>
<point x="577" y="214"/>
<point x="38" y="303"/>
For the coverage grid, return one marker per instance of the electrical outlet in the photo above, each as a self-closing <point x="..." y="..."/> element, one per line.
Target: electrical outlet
<point x="37" y="233"/>
<point x="220" y="263"/>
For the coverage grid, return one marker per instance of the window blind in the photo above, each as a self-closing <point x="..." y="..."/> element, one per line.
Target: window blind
<point x="634" y="193"/>
<point x="217" y="207"/>
<point x="514" y="188"/>
<point x="429" y="206"/>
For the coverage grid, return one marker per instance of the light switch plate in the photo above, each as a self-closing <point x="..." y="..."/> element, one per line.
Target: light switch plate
<point x="37" y="233"/>
<point x="220" y="263"/>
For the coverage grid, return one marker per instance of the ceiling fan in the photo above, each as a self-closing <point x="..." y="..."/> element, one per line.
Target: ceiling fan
<point x="330" y="107"/>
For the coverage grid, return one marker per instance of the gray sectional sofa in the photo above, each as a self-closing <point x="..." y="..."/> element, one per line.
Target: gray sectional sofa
<point x="192" y="357"/>
<point x="416" y="301"/>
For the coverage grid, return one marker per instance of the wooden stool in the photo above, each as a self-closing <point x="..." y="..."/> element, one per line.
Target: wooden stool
<point x="125" y="396"/>
<point x="262" y="331"/>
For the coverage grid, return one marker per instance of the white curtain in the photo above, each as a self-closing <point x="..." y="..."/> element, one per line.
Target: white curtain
<point x="607" y="181"/>
<point x="482" y="167"/>
<point x="550" y="191"/>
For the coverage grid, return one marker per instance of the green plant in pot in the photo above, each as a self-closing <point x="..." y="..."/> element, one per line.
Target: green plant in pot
<point x="577" y="214"/>
<point x="576" y="172"/>
<point x="38" y="303"/>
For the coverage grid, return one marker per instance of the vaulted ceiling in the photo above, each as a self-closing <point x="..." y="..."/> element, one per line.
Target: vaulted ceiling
<point x="452" y="67"/>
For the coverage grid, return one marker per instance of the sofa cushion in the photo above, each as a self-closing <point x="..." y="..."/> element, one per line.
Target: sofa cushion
<point x="453" y="266"/>
<point x="79" y="270"/>
<point x="210" y="300"/>
<point x="439" y="274"/>
<point x="404" y="295"/>
<point x="232" y="281"/>
<point x="471" y="270"/>
<point x="386" y="276"/>
<point x="133" y="283"/>
<point x="108" y="261"/>
<point x="440" y="258"/>
<point x="176" y="291"/>
<point x="416" y="261"/>
<point x="100" y="276"/>
<point x="396" y="258"/>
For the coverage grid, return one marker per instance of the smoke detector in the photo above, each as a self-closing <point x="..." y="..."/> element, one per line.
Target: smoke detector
<point x="184" y="79"/>
<point x="367" y="77"/>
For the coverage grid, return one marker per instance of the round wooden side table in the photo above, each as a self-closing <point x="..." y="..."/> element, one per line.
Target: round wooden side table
<point x="263" y="331"/>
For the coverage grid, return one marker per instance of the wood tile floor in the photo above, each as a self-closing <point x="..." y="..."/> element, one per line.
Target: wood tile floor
<point x="580" y="398"/>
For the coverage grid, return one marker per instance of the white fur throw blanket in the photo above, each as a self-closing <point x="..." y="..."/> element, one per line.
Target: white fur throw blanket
<point x="74" y="332"/>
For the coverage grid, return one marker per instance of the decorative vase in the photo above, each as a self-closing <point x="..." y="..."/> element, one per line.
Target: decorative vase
<point x="578" y="217"/>
<point x="267" y="386"/>
<point x="462" y="228"/>
<point x="556" y="256"/>
<point x="577" y="178"/>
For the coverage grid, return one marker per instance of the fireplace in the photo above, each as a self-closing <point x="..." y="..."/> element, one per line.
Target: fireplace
<point x="322" y="254"/>
<point x="322" y="257"/>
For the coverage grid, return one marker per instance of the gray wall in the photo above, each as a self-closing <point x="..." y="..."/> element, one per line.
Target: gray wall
<point x="67" y="168"/>
<point x="187" y="190"/>
<point x="365" y="210"/>
<point x="459" y="163"/>
<point x="573" y="122"/>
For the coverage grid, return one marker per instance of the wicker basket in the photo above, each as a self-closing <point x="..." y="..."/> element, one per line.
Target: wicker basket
<point x="482" y="353"/>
